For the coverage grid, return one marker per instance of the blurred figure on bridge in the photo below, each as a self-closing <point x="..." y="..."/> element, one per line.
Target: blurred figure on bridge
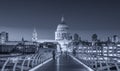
<point x="74" y="52"/>
<point x="54" y="54"/>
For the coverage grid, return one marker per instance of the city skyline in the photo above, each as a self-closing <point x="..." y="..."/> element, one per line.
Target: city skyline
<point x="59" y="35"/>
<point x="83" y="17"/>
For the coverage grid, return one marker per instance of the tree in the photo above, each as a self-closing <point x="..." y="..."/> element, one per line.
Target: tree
<point x="94" y="37"/>
<point x="108" y="40"/>
<point x="76" y="37"/>
<point x="76" y="40"/>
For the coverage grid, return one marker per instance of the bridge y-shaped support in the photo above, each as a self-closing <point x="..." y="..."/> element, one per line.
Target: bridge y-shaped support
<point x="28" y="64"/>
<point x="14" y="67"/>
<point x="107" y="65"/>
<point x="117" y="67"/>
<point x="24" y="63"/>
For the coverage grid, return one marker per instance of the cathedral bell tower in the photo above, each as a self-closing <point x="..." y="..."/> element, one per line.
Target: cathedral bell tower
<point x="34" y="35"/>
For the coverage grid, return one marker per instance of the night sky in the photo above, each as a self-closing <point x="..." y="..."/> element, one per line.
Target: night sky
<point x="85" y="17"/>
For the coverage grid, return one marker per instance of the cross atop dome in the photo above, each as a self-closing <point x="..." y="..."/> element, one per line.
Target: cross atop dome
<point x="62" y="20"/>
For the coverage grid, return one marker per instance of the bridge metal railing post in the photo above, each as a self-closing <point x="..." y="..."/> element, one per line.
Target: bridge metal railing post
<point x="3" y="68"/>
<point x="15" y="64"/>
<point x="37" y="59"/>
<point x="33" y="60"/>
<point x="40" y="57"/>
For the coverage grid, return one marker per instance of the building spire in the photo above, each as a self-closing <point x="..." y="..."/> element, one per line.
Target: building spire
<point x="34" y="37"/>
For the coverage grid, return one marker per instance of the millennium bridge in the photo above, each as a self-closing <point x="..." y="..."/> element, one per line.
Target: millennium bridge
<point x="78" y="60"/>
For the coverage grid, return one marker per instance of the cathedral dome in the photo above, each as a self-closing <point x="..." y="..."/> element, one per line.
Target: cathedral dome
<point x="62" y="35"/>
<point x="62" y="26"/>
